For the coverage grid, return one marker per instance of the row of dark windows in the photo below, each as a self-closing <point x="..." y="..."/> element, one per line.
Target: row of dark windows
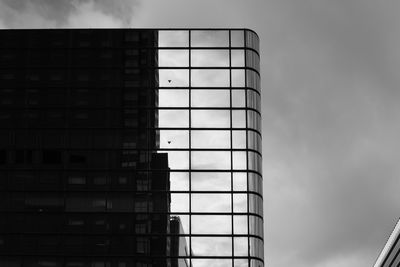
<point x="55" y="157"/>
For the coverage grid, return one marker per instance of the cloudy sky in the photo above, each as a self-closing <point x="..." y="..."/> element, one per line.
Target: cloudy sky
<point x="331" y="118"/>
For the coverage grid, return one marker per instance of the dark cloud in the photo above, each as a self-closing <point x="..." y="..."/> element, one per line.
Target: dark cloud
<point x="58" y="13"/>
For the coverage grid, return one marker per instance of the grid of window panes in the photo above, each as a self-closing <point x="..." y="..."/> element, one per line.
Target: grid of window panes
<point x="82" y="113"/>
<point x="209" y="124"/>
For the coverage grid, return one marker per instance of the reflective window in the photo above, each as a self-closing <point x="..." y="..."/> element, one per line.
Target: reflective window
<point x="174" y="38"/>
<point x="238" y="78"/>
<point x="173" y="118"/>
<point x="238" y="119"/>
<point x="173" y="77"/>
<point x="240" y="246"/>
<point x="252" y="40"/>
<point x="211" y="224"/>
<point x="211" y="181"/>
<point x="173" y="58"/>
<point x="237" y="38"/>
<point x="238" y="139"/>
<point x="238" y="98"/>
<point x="212" y="160"/>
<point x="180" y="202"/>
<point x="179" y="181"/>
<point x="210" y="38"/>
<point x="211" y="202"/>
<point x="211" y="118"/>
<point x="173" y="98"/>
<point x="210" y="139"/>
<point x="174" y="139"/>
<point x="210" y="58"/>
<point x="210" y="78"/>
<point x="237" y="58"/>
<point x="210" y="98"/>
<point x="240" y="224"/>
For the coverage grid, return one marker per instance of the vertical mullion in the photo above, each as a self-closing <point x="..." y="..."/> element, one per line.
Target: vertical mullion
<point x="190" y="146"/>
<point x="231" y="145"/>
<point x="247" y="148"/>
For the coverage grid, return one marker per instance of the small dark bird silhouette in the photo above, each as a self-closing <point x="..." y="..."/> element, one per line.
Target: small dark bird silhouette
<point x="169" y="81"/>
<point x="169" y="142"/>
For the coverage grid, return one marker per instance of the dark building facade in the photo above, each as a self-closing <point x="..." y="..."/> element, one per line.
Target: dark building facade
<point x="109" y="137"/>
<point x="78" y="162"/>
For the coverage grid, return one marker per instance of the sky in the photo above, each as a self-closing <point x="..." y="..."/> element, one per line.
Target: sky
<point x="331" y="118"/>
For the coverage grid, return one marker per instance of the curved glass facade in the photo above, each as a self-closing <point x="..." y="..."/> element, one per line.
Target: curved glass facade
<point x="210" y="126"/>
<point x="130" y="148"/>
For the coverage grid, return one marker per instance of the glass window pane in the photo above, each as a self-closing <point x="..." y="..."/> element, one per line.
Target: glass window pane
<point x="184" y="219"/>
<point x="239" y="181"/>
<point x="242" y="263"/>
<point x="174" y="118"/>
<point x="238" y="78"/>
<point x="240" y="225"/>
<point x="173" y="58"/>
<point x="174" y="139"/>
<point x="252" y="59"/>
<point x="211" y="202"/>
<point x="254" y="140"/>
<point x="173" y="38"/>
<point x="210" y="58"/>
<point x="256" y="226"/>
<point x="238" y="139"/>
<point x="179" y="202"/>
<point x="173" y="98"/>
<point x="252" y="40"/>
<point x="211" y="181"/>
<point x="210" y="98"/>
<point x="254" y="162"/>
<point x="238" y="98"/>
<point x="211" y="224"/>
<point x="256" y="263"/>
<point x="237" y="58"/>
<point x="256" y="204"/>
<point x="240" y="245"/>
<point x="178" y="160"/>
<point x="254" y="120"/>
<point x="237" y="38"/>
<point x="239" y="202"/>
<point x="253" y="80"/>
<point x="212" y="160"/>
<point x="210" y="118"/>
<point x="255" y="183"/>
<point x="253" y="100"/>
<point x="239" y="160"/>
<point x="210" y="139"/>
<point x="256" y="248"/>
<point x="210" y="78"/>
<point x="179" y="181"/>
<point x="173" y="77"/>
<point x="211" y="38"/>
<point x="238" y="118"/>
<point x="212" y="262"/>
<point x="212" y="246"/>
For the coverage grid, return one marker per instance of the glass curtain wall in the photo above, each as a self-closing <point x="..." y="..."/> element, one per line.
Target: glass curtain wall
<point x="209" y="124"/>
<point x="88" y="121"/>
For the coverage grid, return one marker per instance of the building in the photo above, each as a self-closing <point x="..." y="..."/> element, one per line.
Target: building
<point x="390" y="255"/>
<point x="121" y="100"/>
<point x="178" y="244"/>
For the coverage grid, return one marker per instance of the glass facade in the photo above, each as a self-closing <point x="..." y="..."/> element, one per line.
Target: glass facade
<point x="139" y="147"/>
